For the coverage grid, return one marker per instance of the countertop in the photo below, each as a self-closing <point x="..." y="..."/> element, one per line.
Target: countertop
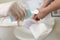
<point x="55" y="34"/>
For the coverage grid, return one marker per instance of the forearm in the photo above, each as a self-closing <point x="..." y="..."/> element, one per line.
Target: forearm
<point x="53" y="6"/>
<point x="46" y="3"/>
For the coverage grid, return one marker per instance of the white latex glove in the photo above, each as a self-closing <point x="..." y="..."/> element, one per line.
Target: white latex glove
<point x="11" y="9"/>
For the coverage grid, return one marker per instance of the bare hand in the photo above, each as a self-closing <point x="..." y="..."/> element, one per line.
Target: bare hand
<point x="40" y="15"/>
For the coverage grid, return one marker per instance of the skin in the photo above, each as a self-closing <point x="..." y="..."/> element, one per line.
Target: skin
<point x="48" y="6"/>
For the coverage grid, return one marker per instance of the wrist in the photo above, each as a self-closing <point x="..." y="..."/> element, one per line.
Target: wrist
<point x="42" y="13"/>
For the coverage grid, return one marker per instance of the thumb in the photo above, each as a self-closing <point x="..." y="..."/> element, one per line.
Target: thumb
<point x="36" y="17"/>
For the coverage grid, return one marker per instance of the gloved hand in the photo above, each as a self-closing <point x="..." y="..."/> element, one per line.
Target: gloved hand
<point x="11" y="9"/>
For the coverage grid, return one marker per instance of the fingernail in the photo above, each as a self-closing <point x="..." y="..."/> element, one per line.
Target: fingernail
<point x="37" y="19"/>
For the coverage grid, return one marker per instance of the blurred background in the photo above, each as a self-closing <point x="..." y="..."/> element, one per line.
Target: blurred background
<point x="55" y="35"/>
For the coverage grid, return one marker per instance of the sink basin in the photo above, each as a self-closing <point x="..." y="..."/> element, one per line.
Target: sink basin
<point x="23" y="33"/>
<point x="26" y="34"/>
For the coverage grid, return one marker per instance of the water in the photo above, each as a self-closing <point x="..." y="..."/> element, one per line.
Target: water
<point x="28" y="22"/>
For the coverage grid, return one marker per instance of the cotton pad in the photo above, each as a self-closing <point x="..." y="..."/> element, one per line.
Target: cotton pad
<point x="38" y="29"/>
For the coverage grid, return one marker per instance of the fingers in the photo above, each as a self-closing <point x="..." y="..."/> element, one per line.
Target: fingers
<point x="15" y="16"/>
<point x="36" y="17"/>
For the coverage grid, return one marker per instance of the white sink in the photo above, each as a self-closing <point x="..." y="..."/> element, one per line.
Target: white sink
<point x="26" y="34"/>
<point x="23" y="33"/>
<point x="6" y="33"/>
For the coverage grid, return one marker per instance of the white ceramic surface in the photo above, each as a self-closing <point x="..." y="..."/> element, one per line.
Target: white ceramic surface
<point x="7" y="33"/>
<point x="25" y="34"/>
